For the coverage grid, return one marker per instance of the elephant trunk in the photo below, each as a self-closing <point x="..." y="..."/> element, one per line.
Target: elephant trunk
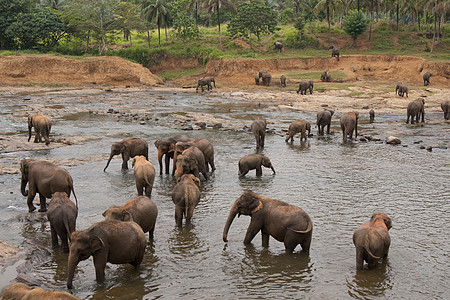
<point x="29" y="132"/>
<point x="233" y="212"/>
<point x="273" y="170"/>
<point x="23" y="184"/>
<point x="109" y="160"/>
<point x="71" y="265"/>
<point x="160" y="155"/>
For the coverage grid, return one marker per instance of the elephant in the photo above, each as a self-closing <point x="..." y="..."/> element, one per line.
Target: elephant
<point x="110" y="241"/>
<point x="128" y="148"/>
<point x="258" y="128"/>
<point x="185" y="196"/>
<point x="401" y="89"/>
<point x="371" y="116"/>
<point x="22" y="291"/>
<point x="296" y="127"/>
<point x="304" y="86"/>
<point x="42" y="126"/>
<point x="166" y="148"/>
<point x="426" y="78"/>
<point x="349" y="122"/>
<point x="203" y="144"/>
<point x="325" y="76"/>
<point x="415" y="108"/>
<point x="254" y="161"/>
<point x="257" y="79"/>
<point x="324" y="119"/>
<point x="283" y="81"/>
<point x="372" y="240"/>
<point x="191" y="161"/>
<point x="266" y="77"/>
<point x="141" y="210"/>
<point x="205" y="81"/>
<point x="335" y="52"/>
<point x="62" y="215"/>
<point x="284" y="222"/>
<point x="144" y="175"/>
<point x="278" y="46"/>
<point x="43" y="178"/>
<point x="446" y="109"/>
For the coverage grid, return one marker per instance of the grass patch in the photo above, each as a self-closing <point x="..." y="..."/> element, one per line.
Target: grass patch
<point x="355" y="94"/>
<point x="180" y="113"/>
<point x="170" y="75"/>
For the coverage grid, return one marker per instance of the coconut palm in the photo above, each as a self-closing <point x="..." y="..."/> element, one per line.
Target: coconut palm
<point x="329" y="6"/>
<point x="216" y="5"/>
<point x="157" y="11"/>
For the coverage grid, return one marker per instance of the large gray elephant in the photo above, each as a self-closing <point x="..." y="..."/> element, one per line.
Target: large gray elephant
<point x="166" y="148"/>
<point x="283" y="81"/>
<point x="62" y="215"/>
<point x="191" y="161"/>
<point x="296" y="127"/>
<point x="325" y="76"/>
<point x="426" y="78"/>
<point x="144" y="175"/>
<point x="205" y="81"/>
<point x="258" y="128"/>
<point x="335" y="52"/>
<point x="446" y="109"/>
<point x="372" y="240"/>
<point x="324" y="119"/>
<point x="42" y="126"/>
<point x="304" y="86"/>
<point x="185" y="196"/>
<point x="252" y="162"/>
<point x="128" y="148"/>
<point x="43" y="178"/>
<point x="110" y="241"/>
<point x="349" y="123"/>
<point x="141" y="210"/>
<point x="203" y="144"/>
<point x="266" y="77"/>
<point x="401" y="89"/>
<point x="415" y="109"/>
<point x="278" y="46"/>
<point x="284" y="222"/>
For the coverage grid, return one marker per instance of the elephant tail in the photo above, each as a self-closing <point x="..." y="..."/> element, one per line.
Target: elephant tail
<point x="367" y="247"/>
<point x="308" y="229"/>
<point x="186" y="203"/>
<point x="76" y="199"/>
<point x="69" y="232"/>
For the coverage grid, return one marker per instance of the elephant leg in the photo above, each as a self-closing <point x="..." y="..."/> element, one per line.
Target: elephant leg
<point x="150" y="234"/>
<point x="140" y="189"/>
<point x="54" y="236"/>
<point x="262" y="137"/>
<point x="213" y="166"/>
<point x="100" y="265"/>
<point x="179" y="215"/>
<point x="63" y="235"/>
<point x="125" y="158"/>
<point x="407" y="119"/>
<point x="290" y="241"/>
<point x="167" y="162"/>
<point x="328" y="129"/>
<point x="344" y="135"/>
<point x="31" y="195"/>
<point x="43" y="203"/>
<point x="265" y="238"/>
<point x="250" y="234"/>
<point x="258" y="170"/>
<point x="306" y="244"/>
<point x="243" y="172"/>
<point x="359" y="259"/>
<point x="148" y="191"/>
<point x="37" y="136"/>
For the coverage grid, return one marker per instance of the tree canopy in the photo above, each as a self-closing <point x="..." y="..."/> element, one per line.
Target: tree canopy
<point x="355" y="23"/>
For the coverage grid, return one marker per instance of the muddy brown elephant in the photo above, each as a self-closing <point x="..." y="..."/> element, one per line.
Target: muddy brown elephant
<point x="166" y="148"/>
<point x="325" y="76"/>
<point x="371" y="116"/>
<point x="141" y="210"/>
<point x="144" y="175"/>
<point x="110" y="241"/>
<point x="43" y="178"/>
<point x="265" y="77"/>
<point x="335" y="52"/>
<point x="205" y="81"/>
<point x="191" y="161"/>
<point x="252" y="162"/>
<point x="62" y="215"/>
<point x="401" y="90"/>
<point x="283" y="81"/>
<point x="42" y="126"/>
<point x="324" y="119"/>
<point x="22" y="291"/>
<point x="128" y="148"/>
<point x="284" y="222"/>
<point x="185" y="196"/>
<point x="445" y="106"/>
<point x="426" y="78"/>
<point x="349" y="123"/>
<point x="372" y="240"/>
<point x="305" y="85"/>
<point x="258" y="128"/>
<point x="415" y="109"/>
<point x="296" y="127"/>
<point x="278" y="46"/>
<point x="203" y="144"/>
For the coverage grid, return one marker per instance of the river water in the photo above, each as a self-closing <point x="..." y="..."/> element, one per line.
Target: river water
<point x="339" y="185"/>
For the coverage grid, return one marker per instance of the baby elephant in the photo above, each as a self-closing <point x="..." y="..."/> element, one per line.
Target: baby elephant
<point x="304" y="86"/>
<point x="254" y="161"/>
<point x="296" y="127"/>
<point x="401" y="89"/>
<point x="325" y="76"/>
<point x="62" y="215"/>
<point x="426" y="78"/>
<point x="283" y="81"/>
<point x="372" y="115"/>
<point x="141" y="210"/>
<point x="144" y="175"/>
<point x="372" y="240"/>
<point x="324" y="119"/>
<point x="446" y="109"/>
<point x="186" y="196"/>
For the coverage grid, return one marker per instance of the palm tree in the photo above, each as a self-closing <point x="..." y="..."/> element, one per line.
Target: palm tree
<point x="216" y="5"/>
<point x="158" y="11"/>
<point x="329" y="6"/>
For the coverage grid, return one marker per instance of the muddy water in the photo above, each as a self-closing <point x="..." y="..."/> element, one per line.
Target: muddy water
<point x="339" y="185"/>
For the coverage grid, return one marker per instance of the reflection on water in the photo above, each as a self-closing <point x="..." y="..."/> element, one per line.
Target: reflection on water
<point x="368" y="284"/>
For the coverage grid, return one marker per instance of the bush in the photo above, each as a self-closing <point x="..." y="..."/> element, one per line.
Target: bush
<point x="286" y="16"/>
<point x="293" y="40"/>
<point x="355" y="23"/>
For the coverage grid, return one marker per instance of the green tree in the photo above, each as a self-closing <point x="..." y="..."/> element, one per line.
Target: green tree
<point x="286" y="16"/>
<point x="355" y="23"/>
<point x="129" y="19"/>
<point x="215" y="6"/>
<point x="9" y="11"/>
<point x="183" y="23"/>
<point x="330" y="7"/>
<point x="157" y="11"/>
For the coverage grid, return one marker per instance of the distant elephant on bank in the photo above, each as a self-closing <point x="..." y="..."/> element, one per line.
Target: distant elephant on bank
<point x="296" y="127"/>
<point x="304" y="86"/>
<point x="62" y="215"/>
<point x="335" y="52"/>
<point x="372" y="240"/>
<point x="185" y="196"/>
<point x="43" y="178"/>
<point x="141" y="210"/>
<point x="203" y="144"/>
<point x="257" y="79"/>
<point x="205" y="81"/>
<point x="371" y="116"/>
<point x="349" y="123"/>
<point x="426" y="78"/>
<point x="144" y="175"/>
<point x="401" y="89"/>
<point x="446" y="109"/>
<point x="112" y="241"/>
<point x="258" y="128"/>
<point x="283" y="81"/>
<point x="284" y="222"/>
<point x="128" y="148"/>
<point x="325" y="76"/>
<point x="191" y="161"/>
<point x="42" y="126"/>
<point x="166" y="148"/>
<point x="278" y="46"/>
<point x="252" y="162"/>
<point x="266" y="77"/>
<point x="415" y="109"/>
<point x="324" y="119"/>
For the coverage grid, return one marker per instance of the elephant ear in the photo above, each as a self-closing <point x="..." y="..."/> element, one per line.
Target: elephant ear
<point x="96" y="243"/>
<point x="157" y="142"/>
<point x="126" y="216"/>
<point x="192" y="163"/>
<point x="30" y="121"/>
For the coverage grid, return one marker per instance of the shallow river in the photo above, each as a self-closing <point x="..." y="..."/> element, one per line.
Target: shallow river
<point x="339" y="185"/>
